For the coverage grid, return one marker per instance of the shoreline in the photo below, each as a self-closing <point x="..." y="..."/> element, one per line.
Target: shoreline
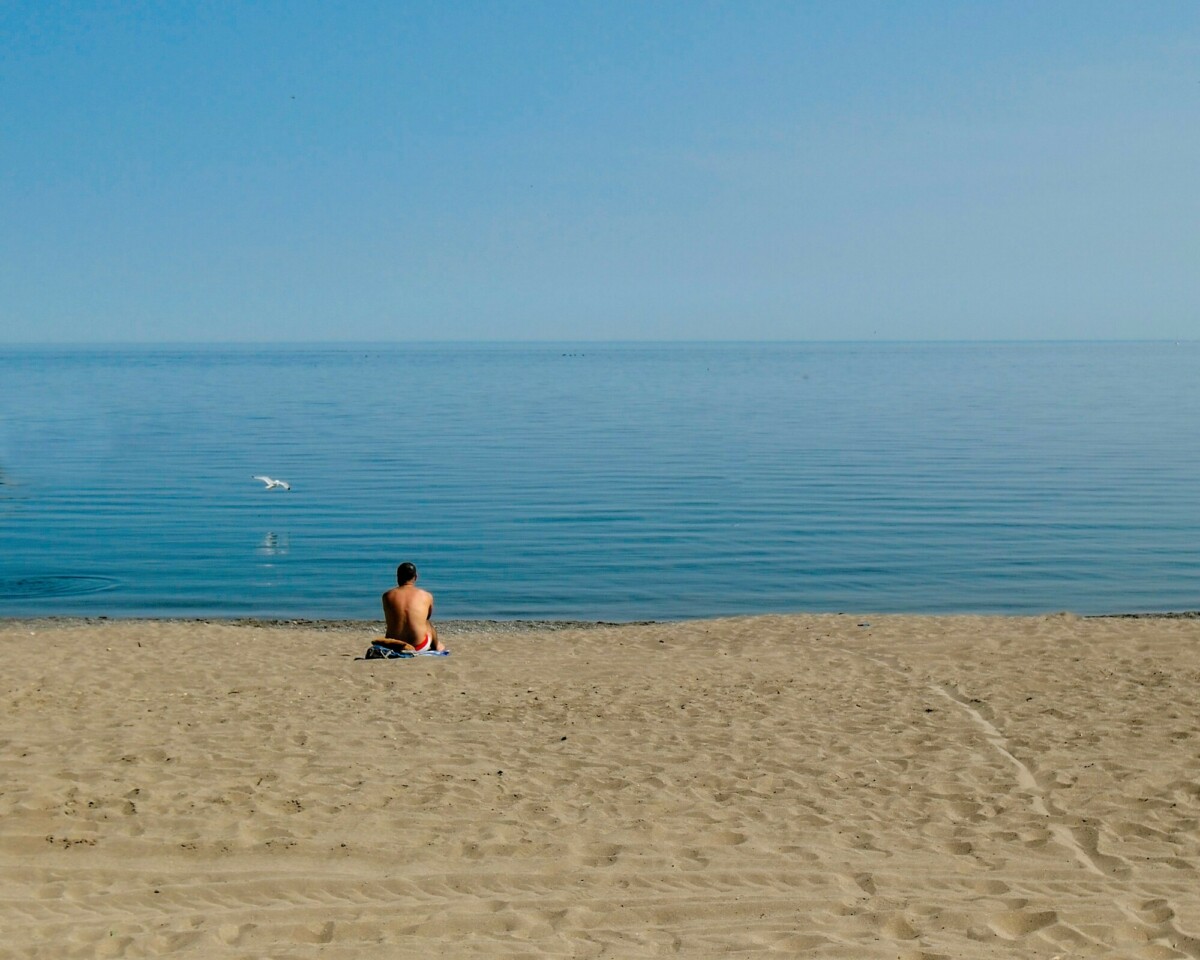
<point x="488" y="625"/>
<point x="371" y="627"/>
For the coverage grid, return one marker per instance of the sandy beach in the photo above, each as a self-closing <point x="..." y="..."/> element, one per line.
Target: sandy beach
<point x="813" y="786"/>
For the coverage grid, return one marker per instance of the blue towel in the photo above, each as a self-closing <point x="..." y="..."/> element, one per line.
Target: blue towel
<point x="378" y="651"/>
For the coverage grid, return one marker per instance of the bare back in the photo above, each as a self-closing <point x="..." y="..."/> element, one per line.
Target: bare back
<point x="408" y="611"/>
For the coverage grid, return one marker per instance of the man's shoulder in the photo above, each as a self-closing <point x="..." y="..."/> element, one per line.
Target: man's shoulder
<point x="408" y="590"/>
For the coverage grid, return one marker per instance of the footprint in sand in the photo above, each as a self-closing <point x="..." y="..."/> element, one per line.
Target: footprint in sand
<point x="232" y="933"/>
<point x="319" y="933"/>
<point x="865" y="882"/>
<point x="898" y="928"/>
<point x="1154" y="911"/>
<point x="1014" y="924"/>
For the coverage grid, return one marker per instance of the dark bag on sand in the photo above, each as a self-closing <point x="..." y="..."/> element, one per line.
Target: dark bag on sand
<point x="378" y="651"/>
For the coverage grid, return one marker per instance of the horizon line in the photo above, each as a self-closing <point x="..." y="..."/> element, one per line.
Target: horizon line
<point x="463" y="341"/>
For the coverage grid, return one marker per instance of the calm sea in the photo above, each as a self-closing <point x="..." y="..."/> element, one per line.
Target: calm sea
<point x="601" y="481"/>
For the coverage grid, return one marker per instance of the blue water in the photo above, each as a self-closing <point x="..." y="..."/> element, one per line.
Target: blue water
<point x="601" y="481"/>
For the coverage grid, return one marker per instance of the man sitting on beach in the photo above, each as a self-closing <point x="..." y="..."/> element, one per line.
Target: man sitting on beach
<point x="408" y="611"/>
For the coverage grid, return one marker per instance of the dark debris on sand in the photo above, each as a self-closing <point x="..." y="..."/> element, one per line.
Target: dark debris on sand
<point x="1173" y="615"/>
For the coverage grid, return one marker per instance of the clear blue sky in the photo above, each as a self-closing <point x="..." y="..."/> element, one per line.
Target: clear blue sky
<point x="616" y="170"/>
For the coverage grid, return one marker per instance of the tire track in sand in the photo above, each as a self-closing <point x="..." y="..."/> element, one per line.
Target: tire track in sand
<point x="1156" y="918"/>
<point x="1086" y="853"/>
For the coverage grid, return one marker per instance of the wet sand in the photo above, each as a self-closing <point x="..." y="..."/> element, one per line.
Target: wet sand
<point x="817" y="786"/>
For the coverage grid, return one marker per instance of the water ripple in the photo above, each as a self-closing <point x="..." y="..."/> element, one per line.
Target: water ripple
<point x="53" y="585"/>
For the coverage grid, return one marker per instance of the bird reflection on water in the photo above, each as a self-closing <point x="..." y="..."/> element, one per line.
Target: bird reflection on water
<point x="273" y="544"/>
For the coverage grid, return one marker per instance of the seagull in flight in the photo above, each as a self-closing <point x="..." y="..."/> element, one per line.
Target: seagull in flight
<point x="274" y="484"/>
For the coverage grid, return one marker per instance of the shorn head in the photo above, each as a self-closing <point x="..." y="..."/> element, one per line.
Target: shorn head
<point x="405" y="573"/>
